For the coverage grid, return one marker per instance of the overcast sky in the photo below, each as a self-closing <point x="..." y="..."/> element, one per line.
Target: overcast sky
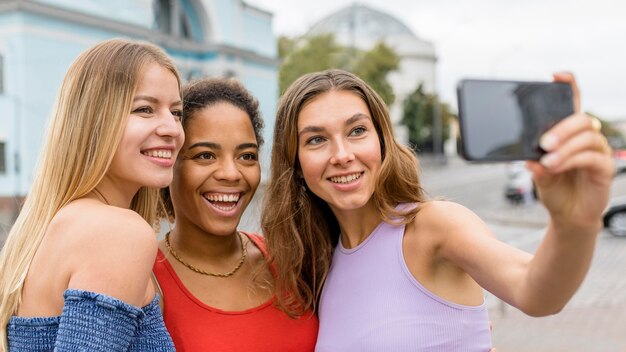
<point x="506" y="39"/>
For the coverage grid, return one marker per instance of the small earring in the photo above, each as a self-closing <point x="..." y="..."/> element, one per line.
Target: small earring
<point x="302" y="184"/>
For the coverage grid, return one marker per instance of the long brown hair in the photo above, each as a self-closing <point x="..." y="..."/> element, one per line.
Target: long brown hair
<point x="88" y="121"/>
<point x="300" y="229"/>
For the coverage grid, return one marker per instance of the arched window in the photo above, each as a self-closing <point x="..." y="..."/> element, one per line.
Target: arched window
<point x="178" y="18"/>
<point x="163" y="15"/>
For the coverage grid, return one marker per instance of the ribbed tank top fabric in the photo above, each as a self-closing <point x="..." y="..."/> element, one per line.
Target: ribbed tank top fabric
<point x="195" y="326"/>
<point x="372" y="302"/>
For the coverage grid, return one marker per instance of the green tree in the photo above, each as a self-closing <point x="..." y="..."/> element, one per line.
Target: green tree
<point x="374" y="65"/>
<point x="419" y="111"/>
<point x="310" y="54"/>
<point x="316" y="53"/>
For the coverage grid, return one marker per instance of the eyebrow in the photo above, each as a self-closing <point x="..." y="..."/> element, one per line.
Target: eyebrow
<point x="354" y="118"/>
<point x="153" y="99"/>
<point x="218" y="146"/>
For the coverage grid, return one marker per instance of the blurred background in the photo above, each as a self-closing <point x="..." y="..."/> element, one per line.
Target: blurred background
<point x="412" y="52"/>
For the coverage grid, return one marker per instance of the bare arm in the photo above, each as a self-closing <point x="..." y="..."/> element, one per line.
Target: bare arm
<point x="573" y="181"/>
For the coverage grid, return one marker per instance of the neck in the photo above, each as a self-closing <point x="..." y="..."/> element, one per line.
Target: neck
<point x="194" y="243"/>
<point x="111" y="193"/>
<point x="356" y="225"/>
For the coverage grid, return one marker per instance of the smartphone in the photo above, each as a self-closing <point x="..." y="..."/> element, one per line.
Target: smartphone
<point x="503" y="120"/>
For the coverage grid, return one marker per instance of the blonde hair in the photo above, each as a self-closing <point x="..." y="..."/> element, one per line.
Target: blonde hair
<point x="88" y="121"/>
<point x="300" y="229"/>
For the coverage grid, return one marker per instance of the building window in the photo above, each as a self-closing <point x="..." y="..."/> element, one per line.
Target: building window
<point x="163" y="14"/>
<point x="3" y="159"/>
<point x="185" y="26"/>
<point x="170" y="18"/>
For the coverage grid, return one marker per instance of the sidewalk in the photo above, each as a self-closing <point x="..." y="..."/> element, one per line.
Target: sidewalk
<point x="594" y="320"/>
<point x="531" y="216"/>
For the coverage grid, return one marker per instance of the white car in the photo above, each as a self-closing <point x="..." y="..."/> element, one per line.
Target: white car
<point x="519" y="183"/>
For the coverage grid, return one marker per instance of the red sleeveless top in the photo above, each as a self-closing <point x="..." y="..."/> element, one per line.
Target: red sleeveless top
<point x="195" y="326"/>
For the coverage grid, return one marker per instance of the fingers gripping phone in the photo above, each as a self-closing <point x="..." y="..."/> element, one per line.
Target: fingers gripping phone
<point x="503" y="120"/>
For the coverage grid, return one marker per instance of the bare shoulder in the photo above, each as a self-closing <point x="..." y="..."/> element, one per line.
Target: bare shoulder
<point x="109" y="250"/>
<point x="445" y="220"/>
<point x="445" y="215"/>
<point x="451" y="227"/>
<point x="83" y="222"/>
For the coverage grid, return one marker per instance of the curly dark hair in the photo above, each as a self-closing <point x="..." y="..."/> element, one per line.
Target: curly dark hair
<point x="202" y="93"/>
<point x="206" y="92"/>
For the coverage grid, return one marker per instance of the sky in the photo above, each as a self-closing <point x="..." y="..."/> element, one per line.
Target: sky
<point x="505" y="39"/>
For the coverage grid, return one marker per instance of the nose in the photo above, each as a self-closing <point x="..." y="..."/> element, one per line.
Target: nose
<point x="342" y="153"/>
<point x="169" y="126"/>
<point x="227" y="170"/>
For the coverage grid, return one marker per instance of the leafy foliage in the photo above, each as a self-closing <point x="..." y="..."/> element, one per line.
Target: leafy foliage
<point x="316" y="53"/>
<point x="418" y="116"/>
<point x="310" y="55"/>
<point x="373" y="67"/>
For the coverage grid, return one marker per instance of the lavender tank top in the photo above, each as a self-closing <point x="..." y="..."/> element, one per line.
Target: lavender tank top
<point x="372" y="302"/>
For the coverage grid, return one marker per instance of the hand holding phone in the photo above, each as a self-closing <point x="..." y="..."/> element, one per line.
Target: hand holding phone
<point x="503" y="120"/>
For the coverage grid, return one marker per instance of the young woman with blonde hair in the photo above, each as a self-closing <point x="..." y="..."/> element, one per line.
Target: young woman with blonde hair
<point x="76" y="264"/>
<point x="407" y="273"/>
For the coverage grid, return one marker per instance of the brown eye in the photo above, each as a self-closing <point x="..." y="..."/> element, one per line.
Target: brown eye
<point x="178" y="114"/>
<point x="204" y="156"/>
<point x="249" y="157"/>
<point x="143" y="110"/>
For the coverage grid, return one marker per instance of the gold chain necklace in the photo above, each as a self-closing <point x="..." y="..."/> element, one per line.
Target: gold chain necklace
<point x="244" y="252"/>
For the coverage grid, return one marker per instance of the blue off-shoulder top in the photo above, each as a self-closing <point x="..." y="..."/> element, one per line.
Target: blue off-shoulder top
<point x="92" y="322"/>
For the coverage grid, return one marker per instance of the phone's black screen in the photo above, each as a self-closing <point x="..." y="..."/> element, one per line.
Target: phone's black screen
<point x="503" y="120"/>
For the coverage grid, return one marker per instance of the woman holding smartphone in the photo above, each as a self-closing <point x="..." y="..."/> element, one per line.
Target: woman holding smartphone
<point x="384" y="267"/>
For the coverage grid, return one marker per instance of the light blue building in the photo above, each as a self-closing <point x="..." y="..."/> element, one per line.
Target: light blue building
<point x="40" y="38"/>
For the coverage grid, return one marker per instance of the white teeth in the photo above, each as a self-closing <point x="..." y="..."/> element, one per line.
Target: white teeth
<point x="216" y="199"/>
<point x="163" y="154"/>
<point x="345" y="179"/>
<point x="224" y="208"/>
<point x="232" y="197"/>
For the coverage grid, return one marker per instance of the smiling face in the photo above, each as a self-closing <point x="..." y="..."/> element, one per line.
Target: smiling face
<point x="153" y="134"/>
<point x="339" y="150"/>
<point x="218" y="170"/>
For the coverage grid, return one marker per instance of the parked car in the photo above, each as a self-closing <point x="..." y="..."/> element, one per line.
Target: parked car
<point x="519" y="187"/>
<point x="620" y="160"/>
<point x="615" y="217"/>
